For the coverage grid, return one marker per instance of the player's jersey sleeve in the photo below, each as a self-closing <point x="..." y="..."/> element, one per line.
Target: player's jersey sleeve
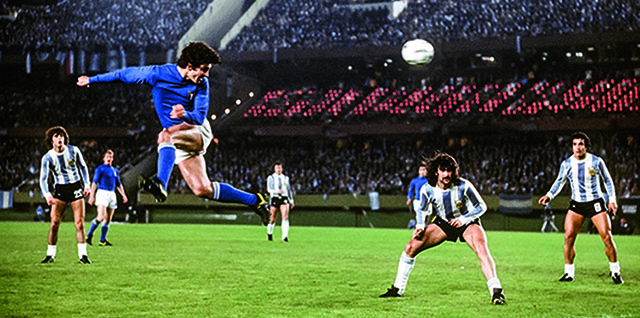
<point x="84" y="170"/>
<point x="289" y="192"/>
<point x="608" y="181"/>
<point x="197" y="115"/>
<point x="44" y="176"/>
<point x="118" y="182"/>
<point x="560" y="180"/>
<point x="475" y="203"/>
<point x="426" y="199"/>
<point x="412" y="191"/>
<point x="129" y="75"/>
<point x="271" y="186"/>
<point x="97" y="175"/>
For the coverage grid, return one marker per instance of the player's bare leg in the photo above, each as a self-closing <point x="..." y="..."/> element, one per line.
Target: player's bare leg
<point x="603" y="224"/>
<point x="272" y="222"/>
<point x="431" y="236"/>
<point x="57" y="212"/>
<point x="284" y="210"/>
<point x="572" y="224"/>
<point x="476" y="238"/>
<point x="194" y="171"/>
<point x="77" y="207"/>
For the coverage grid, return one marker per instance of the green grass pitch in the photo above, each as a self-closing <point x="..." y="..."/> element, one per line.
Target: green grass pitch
<point x="165" y="270"/>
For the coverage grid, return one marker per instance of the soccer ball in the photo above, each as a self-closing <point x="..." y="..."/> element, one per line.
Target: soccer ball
<point x="417" y="52"/>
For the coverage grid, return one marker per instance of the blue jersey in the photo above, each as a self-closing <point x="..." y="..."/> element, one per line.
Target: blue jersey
<point x="66" y="167"/>
<point x="169" y="88"/>
<point x="585" y="177"/>
<point x="459" y="201"/>
<point x="415" y="186"/>
<point x="106" y="177"/>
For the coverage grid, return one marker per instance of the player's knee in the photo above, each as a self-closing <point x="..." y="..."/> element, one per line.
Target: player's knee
<point x="203" y="192"/>
<point x="164" y="137"/>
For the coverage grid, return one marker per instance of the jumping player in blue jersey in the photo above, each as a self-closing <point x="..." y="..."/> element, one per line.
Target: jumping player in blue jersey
<point x="64" y="167"/>
<point x="413" y="198"/>
<point x="457" y="207"/>
<point x="181" y="99"/>
<point x="106" y="180"/>
<point x="585" y="172"/>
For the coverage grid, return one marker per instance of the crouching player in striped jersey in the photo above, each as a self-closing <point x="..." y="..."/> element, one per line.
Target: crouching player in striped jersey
<point x="457" y="207"/>
<point x="584" y="172"/>
<point x="70" y="179"/>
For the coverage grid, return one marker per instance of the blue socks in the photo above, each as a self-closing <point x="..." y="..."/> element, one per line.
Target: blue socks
<point x="166" y="160"/>
<point x="225" y="193"/>
<point x="104" y="230"/>
<point x="94" y="226"/>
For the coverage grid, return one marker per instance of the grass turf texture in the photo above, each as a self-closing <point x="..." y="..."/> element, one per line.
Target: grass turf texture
<point x="163" y="270"/>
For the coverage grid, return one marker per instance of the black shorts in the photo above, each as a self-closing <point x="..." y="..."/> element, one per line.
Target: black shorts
<point x="69" y="192"/>
<point x="278" y="200"/>
<point x="453" y="233"/>
<point x="588" y="209"/>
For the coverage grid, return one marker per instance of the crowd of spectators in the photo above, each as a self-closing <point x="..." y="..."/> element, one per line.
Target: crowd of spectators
<point x="158" y="24"/>
<point x="327" y="23"/>
<point x="96" y="25"/>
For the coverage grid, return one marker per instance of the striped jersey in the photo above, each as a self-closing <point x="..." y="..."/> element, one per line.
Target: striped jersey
<point x="585" y="177"/>
<point x="277" y="182"/>
<point x="66" y="167"/>
<point x="169" y="88"/>
<point x="460" y="201"/>
<point x="106" y="177"/>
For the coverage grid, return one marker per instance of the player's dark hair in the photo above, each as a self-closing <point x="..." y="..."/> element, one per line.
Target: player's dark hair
<point x="277" y="163"/>
<point x="57" y="130"/>
<point x="583" y="136"/>
<point x="196" y="54"/>
<point x="442" y="161"/>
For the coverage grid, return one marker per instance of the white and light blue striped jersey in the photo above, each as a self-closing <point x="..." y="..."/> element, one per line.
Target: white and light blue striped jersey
<point x="585" y="177"/>
<point x="66" y="167"/>
<point x="277" y="182"/>
<point x="459" y="201"/>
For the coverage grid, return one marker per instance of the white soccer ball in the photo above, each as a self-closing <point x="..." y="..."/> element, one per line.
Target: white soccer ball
<point x="417" y="52"/>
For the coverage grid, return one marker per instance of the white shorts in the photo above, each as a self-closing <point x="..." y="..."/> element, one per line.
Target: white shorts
<point x="106" y="198"/>
<point x="207" y="135"/>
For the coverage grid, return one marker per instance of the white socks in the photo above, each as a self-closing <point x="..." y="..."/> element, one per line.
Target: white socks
<point x="51" y="251"/>
<point x="82" y="249"/>
<point x="405" y="266"/>
<point x="270" y="228"/>
<point x="285" y="228"/>
<point x="570" y="269"/>
<point x="615" y="268"/>
<point x="493" y="283"/>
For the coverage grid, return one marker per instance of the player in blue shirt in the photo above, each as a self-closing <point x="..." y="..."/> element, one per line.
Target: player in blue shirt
<point x="414" y="195"/>
<point x="181" y="99"/>
<point x="106" y="180"/>
<point x="64" y="167"/>
<point x="457" y="207"/>
<point x="585" y="172"/>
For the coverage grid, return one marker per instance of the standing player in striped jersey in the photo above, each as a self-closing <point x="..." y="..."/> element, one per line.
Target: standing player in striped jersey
<point x="279" y="190"/>
<point x="70" y="179"/>
<point x="106" y="180"/>
<point x="413" y="198"/>
<point x="585" y="172"/>
<point x="181" y="99"/>
<point x="457" y="207"/>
